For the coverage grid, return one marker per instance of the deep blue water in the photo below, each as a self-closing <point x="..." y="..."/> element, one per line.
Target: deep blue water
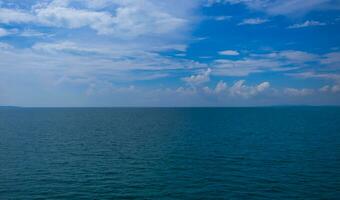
<point x="174" y="153"/>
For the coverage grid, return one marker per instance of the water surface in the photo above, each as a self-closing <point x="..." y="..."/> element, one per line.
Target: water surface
<point x="170" y="153"/>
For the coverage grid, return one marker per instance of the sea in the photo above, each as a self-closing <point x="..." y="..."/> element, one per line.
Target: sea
<point x="170" y="153"/>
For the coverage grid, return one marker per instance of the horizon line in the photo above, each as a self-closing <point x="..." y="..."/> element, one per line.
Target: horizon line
<point x="248" y="106"/>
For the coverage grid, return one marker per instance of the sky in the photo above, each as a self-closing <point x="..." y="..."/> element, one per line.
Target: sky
<point x="98" y="53"/>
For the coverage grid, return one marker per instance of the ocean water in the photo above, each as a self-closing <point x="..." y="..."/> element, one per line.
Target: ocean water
<point x="170" y="153"/>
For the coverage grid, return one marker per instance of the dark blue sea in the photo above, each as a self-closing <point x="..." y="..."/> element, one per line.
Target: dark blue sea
<point x="170" y="153"/>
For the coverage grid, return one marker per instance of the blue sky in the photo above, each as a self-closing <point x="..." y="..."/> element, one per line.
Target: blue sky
<point x="169" y="53"/>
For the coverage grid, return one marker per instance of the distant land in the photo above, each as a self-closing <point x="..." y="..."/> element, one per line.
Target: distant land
<point x="9" y="107"/>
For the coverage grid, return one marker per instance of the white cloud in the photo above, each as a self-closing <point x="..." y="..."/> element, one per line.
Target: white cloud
<point x="5" y="46"/>
<point x="67" y="46"/>
<point x="198" y="79"/>
<point x="49" y="47"/>
<point x="323" y="75"/>
<point x="298" y="92"/>
<point x="87" y="57"/>
<point x="325" y="88"/>
<point x="291" y="56"/>
<point x="137" y="34"/>
<point x="74" y="18"/>
<point x="229" y="53"/>
<point x="262" y="87"/>
<point x="15" y="16"/>
<point x="32" y="33"/>
<point x="5" y="32"/>
<point x="221" y="87"/>
<point x="177" y="47"/>
<point x="102" y="88"/>
<point x="298" y="56"/>
<point x="332" y="77"/>
<point x="336" y="88"/>
<point x="130" y="19"/>
<point x="286" y="60"/>
<point x="332" y="59"/>
<point x="287" y="7"/>
<point x="133" y="19"/>
<point x="222" y="18"/>
<point x="244" y="67"/>
<point x="121" y="63"/>
<point x="307" y="23"/>
<point x="253" y="21"/>
<point x="328" y="88"/>
<point x="240" y="89"/>
<point x="180" y="54"/>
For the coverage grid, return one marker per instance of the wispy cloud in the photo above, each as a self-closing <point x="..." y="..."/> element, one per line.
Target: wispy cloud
<point x="253" y="21"/>
<point x="298" y="92"/>
<point x="222" y="18"/>
<point x="307" y="23"/>
<point x="317" y="75"/>
<point x="125" y="23"/>
<point x="287" y="7"/>
<point x="33" y="33"/>
<point x="333" y="78"/>
<point x="6" y="32"/>
<point x="5" y="46"/>
<point x="258" y="63"/>
<point x="229" y="53"/>
<point x="15" y="16"/>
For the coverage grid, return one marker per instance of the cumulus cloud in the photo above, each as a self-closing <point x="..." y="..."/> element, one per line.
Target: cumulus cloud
<point x="307" y="23"/>
<point x="221" y="87"/>
<point x="198" y="79"/>
<point x="333" y="77"/>
<point x="240" y="89"/>
<point x="262" y="87"/>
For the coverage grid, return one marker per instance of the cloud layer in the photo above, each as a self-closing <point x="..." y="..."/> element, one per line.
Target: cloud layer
<point x="171" y="52"/>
